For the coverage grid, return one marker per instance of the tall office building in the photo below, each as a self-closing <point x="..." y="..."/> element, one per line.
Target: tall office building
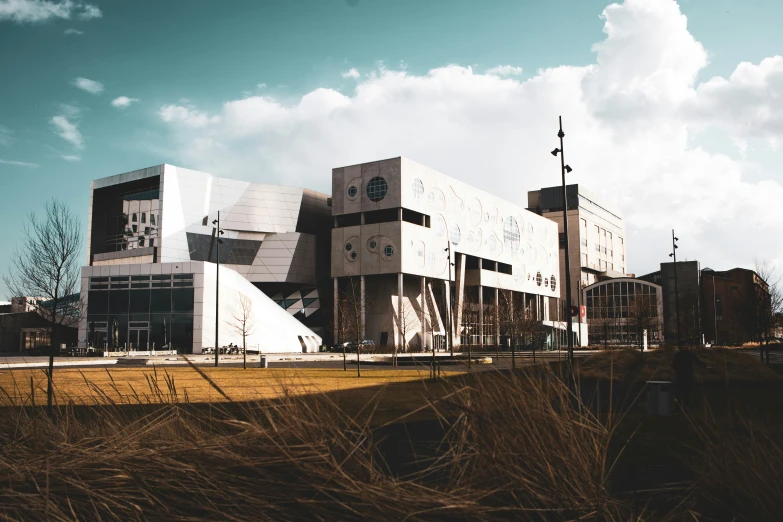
<point x="596" y="235"/>
<point x="395" y="224"/>
<point x="151" y="274"/>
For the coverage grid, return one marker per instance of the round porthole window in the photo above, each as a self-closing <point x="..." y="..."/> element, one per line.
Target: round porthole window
<point x="538" y="278"/>
<point x="389" y="250"/>
<point x="353" y="255"/>
<point x="377" y="189"/>
<point x="348" y="247"/>
<point x="352" y="191"/>
<point x="552" y="283"/>
<point x="455" y="234"/>
<point x="373" y="244"/>
<point x="418" y="189"/>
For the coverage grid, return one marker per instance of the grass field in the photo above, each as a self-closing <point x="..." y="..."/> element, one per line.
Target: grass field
<point x="325" y="445"/>
<point x="400" y="391"/>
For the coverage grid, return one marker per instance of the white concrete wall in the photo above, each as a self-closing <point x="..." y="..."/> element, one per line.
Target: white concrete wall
<point x="275" y="330"/>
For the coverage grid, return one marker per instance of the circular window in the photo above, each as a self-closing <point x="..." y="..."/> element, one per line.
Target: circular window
<point x="538" y="278"/>
<point x="431" y="259"/>
<point x="440" y="226"/>
<point x="353" y="255"/>
<point x="511" y="234"/>
<point x="552" y="283"/>
<point x="474" y="239"/>
<point x="348" y="247"/>
<point x="546" y="282"/>
<point x="474" y="209"/>
<point x="455" y="234"/>
<point x="372" y="244"/>
<point x="436" y="199"/>
<point x="377" y="189"/>
<point x="352" y="191"/>
<point x="418" y="189"/>
<point x="389" y="250"/>
<point x="492" y="243"/>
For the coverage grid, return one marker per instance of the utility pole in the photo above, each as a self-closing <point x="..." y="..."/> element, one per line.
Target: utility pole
<point x="218" y="233"/>
<point x="676" y="289"/>
<point x="563" y="170"/>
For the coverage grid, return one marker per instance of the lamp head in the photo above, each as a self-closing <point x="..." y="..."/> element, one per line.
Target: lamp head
<point x="554" y="152"/>
<point x="560" y="133"/>
<point x="568" y="169"/>
<point x="670" y="255"/>
<point x="214" y="221"/>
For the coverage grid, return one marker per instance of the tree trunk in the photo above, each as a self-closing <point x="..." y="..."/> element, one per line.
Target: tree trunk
<point x="52" y="351"/>
<point x="244" y="352"/>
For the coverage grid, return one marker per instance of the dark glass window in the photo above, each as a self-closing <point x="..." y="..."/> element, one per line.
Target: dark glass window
<point x="182" y="332"/>
<point x="140" y="302"/>
<point x="118" y="301"/>
<point x="143" y="217"/>
<point x="133" y="218"/>
<point x="141" y="241"/>
<point x="135" y="228"/>
<point x="160" y="301"/>
<point x="97" y="303"/>
<point x="182" y="300"/>
<point x="152" y="219"/>
<point x="377" y="189"/>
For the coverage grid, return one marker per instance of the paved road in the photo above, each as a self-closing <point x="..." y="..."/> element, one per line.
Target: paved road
<point x="310" y="360"/>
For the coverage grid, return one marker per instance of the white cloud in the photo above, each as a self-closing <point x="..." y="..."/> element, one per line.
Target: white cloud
<point x="88" y="85"/>
<point x="32" y="11"/>
<point x="68" y="131"/>
<point x="504" y="70"/>
<point x="73" y="31"/>
<point x="351" y="73"/>
<point x="68" y="157"/>
<point x="123" y="101"/>
<point x="187" y="115"/>
<point x="18" y="163"/>
<point x="261" y="86"/>
<point x="6" y="136"/>
<point x="632" y="121"/>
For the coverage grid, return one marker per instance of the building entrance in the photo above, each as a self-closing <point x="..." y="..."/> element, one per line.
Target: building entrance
<point x="138" y="337"/>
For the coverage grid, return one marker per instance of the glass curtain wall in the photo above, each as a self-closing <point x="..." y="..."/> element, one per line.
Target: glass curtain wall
<point x="610" y="312"/>
<point x="141" y="312"/>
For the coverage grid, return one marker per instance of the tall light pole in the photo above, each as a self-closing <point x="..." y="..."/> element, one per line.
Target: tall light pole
<point x="676" y="289"/>
<point x="563" y="170"/>
<point x="218" y="233"/>
<point x="449" y="339"/>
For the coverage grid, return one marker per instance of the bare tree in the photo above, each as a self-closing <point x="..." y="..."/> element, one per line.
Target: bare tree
<point x="603" y="315"/>
<point x="643" y="315"/>
<point x="407" y="322"/>
<point x="767" y="303"/>
<point x="46" y="266"/>
<point x="242" y="321"/>
<point x="353" y="305"/>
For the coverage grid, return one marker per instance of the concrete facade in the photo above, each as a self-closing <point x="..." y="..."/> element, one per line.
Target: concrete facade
<point x="597" y="239"/>
<point x="397" y="227"/>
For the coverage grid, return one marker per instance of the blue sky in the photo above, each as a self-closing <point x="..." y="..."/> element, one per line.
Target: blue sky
<point x="287" y="67"/>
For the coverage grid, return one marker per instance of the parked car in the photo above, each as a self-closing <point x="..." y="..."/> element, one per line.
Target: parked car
<point x="367" y="346"/>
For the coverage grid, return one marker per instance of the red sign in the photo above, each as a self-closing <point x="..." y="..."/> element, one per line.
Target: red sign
<point x="582" y="313"/>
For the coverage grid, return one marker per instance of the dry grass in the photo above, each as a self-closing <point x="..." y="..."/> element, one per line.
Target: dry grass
<point x="499" y="446"/>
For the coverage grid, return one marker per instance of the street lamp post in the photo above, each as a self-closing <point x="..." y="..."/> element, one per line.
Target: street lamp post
<point x="218" y="233"/>
<point x="676" y="289"/>
<point x="563" y="170"/>
<point x="449" y="339"/>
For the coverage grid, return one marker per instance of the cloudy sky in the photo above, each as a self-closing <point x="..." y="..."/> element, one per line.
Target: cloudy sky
<point x="673" y="111"/>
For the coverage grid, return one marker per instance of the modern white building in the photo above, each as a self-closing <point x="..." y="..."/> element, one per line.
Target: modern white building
<point x="396" y="223"/>
<point x="151" y="231"/>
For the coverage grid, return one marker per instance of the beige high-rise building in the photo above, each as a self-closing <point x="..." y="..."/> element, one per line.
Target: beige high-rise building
<point x="597" y="240"/>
